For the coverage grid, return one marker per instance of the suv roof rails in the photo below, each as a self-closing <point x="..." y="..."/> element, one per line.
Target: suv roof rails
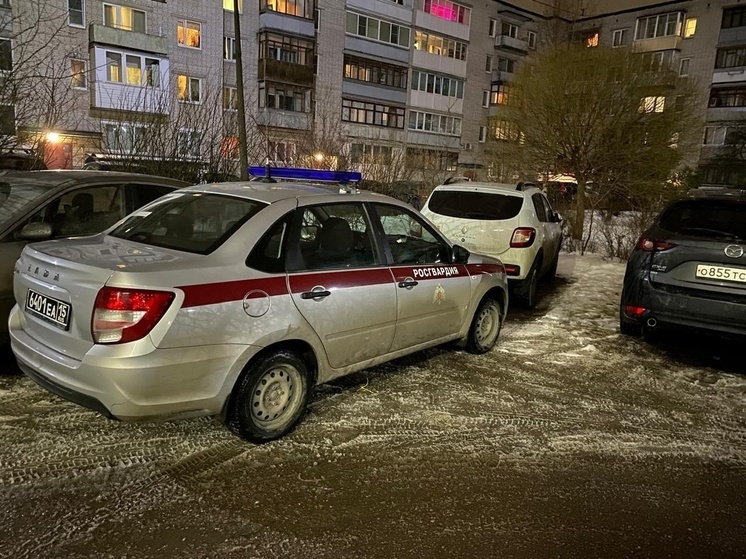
<point x="455" y="179"/>
<point x="524" y="185"/>
<point x="717" y="190"/>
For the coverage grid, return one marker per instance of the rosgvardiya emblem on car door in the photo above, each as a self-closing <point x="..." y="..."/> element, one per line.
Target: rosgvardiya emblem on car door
<point x="440" y="294"/>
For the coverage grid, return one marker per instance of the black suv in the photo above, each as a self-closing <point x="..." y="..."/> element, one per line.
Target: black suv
<point x="688" y="269"/>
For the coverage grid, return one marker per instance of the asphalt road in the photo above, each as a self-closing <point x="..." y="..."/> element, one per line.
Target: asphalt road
<point x="567" y="440"/>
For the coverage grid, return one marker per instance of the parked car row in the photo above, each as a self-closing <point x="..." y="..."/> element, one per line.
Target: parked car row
<point x="147" y="298"/>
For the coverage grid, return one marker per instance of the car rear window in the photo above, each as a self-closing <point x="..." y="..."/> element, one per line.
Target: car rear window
<point x="14" y="197"/>
<point x="475" y="205"/>
<point x="190" y="221"/>
<point x="722" y="219"/>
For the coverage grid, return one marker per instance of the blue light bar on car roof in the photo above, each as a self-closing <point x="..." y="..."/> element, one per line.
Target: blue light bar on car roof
<point x="314" y="175"/>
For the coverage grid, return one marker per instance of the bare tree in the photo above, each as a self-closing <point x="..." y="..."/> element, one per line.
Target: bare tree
<point x="36" y="89"/>
<point x="606" y="116"/>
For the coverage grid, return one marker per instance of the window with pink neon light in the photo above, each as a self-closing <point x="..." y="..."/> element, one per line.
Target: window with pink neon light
<point x="450" y="11"/>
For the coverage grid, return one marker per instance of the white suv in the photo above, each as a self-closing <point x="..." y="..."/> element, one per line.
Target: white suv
<point x="514" y="223"/>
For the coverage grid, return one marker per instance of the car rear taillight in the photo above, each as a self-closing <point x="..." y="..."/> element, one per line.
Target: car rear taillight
<point x="123" y="315"/>
<point x="523" y="237"/>
<point x="653" y="245"/>
<point x="633" y="311"/>
<point x="512" y="270"/>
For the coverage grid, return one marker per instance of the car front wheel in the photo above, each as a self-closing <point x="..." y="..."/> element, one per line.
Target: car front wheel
<point x="485" y="327"/>
<point x="271" y="397"/>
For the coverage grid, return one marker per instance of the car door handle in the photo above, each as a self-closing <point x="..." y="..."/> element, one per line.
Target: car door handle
<point x="408" y="282"/>
<point x="320" y="294"/>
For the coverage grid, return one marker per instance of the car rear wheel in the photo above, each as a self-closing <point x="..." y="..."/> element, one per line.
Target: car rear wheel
<point x="485" y="327"/>
<point x="271" y="397"/>
<point x="526" y="290"/>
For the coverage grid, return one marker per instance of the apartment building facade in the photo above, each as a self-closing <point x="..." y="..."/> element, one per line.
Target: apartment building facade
<point x="385" y="86"/>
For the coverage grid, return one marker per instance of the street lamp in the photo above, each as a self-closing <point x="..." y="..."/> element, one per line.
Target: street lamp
<point x="52" y="137"/>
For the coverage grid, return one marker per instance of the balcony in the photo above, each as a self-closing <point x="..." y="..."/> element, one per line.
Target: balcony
<point x="729" y="75"/>
<point x="511" y="43"/>
<point x="287" y="24"/>
<point x="286" y="72"/>
<point x="658" y="43"/>
<point x="130" y="40"/>
<point x="501" y="76"/>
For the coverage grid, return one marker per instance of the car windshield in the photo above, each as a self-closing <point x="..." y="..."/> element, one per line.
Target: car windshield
<point x="475" y="205"/>
<point x="722" y="219"/>
<point x="191" y="221"/>
<point x="15" y="196"/>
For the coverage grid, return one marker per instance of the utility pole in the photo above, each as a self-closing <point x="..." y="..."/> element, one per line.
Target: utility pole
<point x="242" y="144"/>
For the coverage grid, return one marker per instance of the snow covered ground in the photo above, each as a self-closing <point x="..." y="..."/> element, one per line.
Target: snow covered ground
<point x="567" y="440"/>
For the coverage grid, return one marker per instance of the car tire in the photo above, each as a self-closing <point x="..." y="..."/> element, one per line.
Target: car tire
<point x="526" y="290"/>
<point x="485" y="327"/>
<point x="271" y="397"/>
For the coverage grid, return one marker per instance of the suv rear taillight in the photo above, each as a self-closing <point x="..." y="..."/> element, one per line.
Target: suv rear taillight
<point x="523" y="237"/>
<point x="653" y="245"/>
<point x="123" y="315"/>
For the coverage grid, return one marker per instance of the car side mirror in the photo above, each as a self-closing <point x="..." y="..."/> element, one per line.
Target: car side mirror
<point x="460" y="255"/>
<point x="557" y="217"/>
<point x="36" y="232"/>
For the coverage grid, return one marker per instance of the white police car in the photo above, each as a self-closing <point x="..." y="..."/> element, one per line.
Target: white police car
<point x="238" y="298"/>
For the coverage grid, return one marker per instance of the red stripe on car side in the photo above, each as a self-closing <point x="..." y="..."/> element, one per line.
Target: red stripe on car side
<point x="214" y="293"/>
<point x="475" y="269"/>
<point x="338" y="279"/>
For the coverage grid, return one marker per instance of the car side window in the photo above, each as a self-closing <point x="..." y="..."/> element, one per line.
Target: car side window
<point x="409" y="237"/>
<point x="268" y="254"/>
<point x="141" y="194"/>
<point x="84" y="211"/>
<point x="548" y="208"/>
<point x="332" y="236"/>
<point x="541" y="210"/>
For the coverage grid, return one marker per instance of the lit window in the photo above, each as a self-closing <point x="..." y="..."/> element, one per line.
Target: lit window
<point x="229" y="48"/>
<point x="189" y="33"/>
<point x="114" y="67"/>
<point x="652" y="104"/>
<point x="690" y="28"/>
<point x="228" y="6"/>
<point x="121" y="17"/>
<point x="591" y="40"/>
<point x="134" y="70"/>
<point x="77" y="73"/>
<point x="230" y="99"/>
<point x="188" y="89"/>
<point x="450" y="11"/>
